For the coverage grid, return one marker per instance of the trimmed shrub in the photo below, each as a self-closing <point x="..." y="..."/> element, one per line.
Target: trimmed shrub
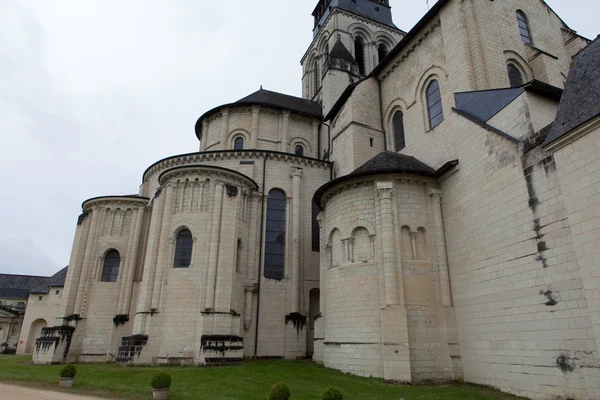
<point x="280" y="391"/>
<point x="68" y="371"/>
<point x="161" y="381"/>
<point x="333" y="394"/>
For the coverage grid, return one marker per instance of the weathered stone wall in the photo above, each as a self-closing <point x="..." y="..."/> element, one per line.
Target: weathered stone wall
<point x="42" y="313"/>
<point x="578" y="163"/>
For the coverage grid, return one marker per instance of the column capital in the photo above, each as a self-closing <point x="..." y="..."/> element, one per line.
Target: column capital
<point x="384" y="190"/>
<point x="255" y="109"/>
<point x="286" y="114"/>
<point x="225" y="112"/>
<point x="413" y="235"/>
<point x="204" y="124"/>
<point x="297" y="173"/>
<point x="434" y="193"/>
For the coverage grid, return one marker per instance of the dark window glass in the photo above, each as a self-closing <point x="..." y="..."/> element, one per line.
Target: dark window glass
<point x="299" y="150"/>
<point x="110" y="269"/>
<point x="514" y="75"/>
<point x="238" y="144"/>
<point x="434" y="104"/>
<point x="183" y="249"/>
<point x="382" y="51"/>
<point x="398" y="122"/>
<point x="317" y="80"/>
<point x="316" y="234"/>
<point x="359" y="54"/>
<point x="275" y="235"/>
<point x="238" y="260"/>
<point x="524" y="27"/>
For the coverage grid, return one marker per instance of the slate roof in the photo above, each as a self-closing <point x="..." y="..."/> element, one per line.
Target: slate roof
<point x="56" y="280"/>
<point x="340" y="51"/>
<point x="387" y="162"/>
<point x="270" y="99"/>
<point x="18" y="286"/>
<point x="581" y="100"/>
<point x="484" y="104"/>
<point x="283" y="101"/>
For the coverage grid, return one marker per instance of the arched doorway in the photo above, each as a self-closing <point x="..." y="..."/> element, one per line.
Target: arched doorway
<point x="313" y="309"/>
<point x="35" y="331"/>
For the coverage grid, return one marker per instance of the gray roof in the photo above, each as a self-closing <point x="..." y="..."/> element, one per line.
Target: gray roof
<point x="283" y="101"/>
<point x="270" y="99"/>
<point x="56" y="280"/>
<point x="340" y="51"/>
<point x="484" y="104"/>
<point x="365" y="8"/>
<point x="18" y="286"/>
<point x="387" y="162"/>
<point x="581" y="100"/>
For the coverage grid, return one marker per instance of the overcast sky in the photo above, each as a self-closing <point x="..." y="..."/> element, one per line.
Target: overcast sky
<point x="94" y="91"/>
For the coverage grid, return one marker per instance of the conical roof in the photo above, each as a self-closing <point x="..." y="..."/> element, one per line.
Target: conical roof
<point x="341" y="52"/>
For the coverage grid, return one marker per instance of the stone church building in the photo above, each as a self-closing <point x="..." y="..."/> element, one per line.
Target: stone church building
<point x="429" y="210"/>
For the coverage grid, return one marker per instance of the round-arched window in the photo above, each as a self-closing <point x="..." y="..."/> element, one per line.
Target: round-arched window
<point x="110" y="268"/>
<point x="238" y="144"/>
<point x="183" y="249"/>
<point x="275" y="235"/>
<point x="299" y="150"/>
<point x="514" y="76"/>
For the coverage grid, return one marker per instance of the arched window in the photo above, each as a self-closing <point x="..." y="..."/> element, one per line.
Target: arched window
<point x="514" y="76"/>
<point x="434" y="104"/>
<point x="238" y="143"/>
<point x="275" y="235"/>
<point x="524" y="27"/>
<point x="382" y="51"/>
<point x="110" y="269"/>
<point x="299" y="150"/>
<point x="317" y="80"/>
<point x="183" y="249"/>
<point x="316" y="234"/>
<point x="398" y="129"/>
<point x="238" y="256"/>
<point x="359" y="53"/>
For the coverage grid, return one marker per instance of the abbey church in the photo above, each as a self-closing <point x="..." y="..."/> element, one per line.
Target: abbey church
<point x="428" y="210"/>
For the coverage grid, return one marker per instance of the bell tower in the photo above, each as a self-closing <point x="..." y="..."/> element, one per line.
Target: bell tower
<point x="362" y="33"/>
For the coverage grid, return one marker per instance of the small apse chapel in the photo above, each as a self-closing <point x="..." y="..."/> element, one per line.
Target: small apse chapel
<point x="428" y="210"/>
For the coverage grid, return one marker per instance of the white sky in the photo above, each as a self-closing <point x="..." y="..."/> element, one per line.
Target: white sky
<point x="94" y="91"/>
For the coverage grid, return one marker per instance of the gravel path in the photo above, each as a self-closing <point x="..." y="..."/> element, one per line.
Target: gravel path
<point x="9" y="392"/>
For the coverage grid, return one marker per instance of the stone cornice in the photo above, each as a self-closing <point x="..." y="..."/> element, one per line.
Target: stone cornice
<point x="211" y="156"/>
<point x="131" y="201"/>
<point x="368" y="180"/>
<point x="220" y="174"/>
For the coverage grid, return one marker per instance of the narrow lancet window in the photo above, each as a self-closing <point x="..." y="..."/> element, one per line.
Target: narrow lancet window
<point x="434" y="104"/>
<point x="275" y="235"/>
<point x="398" y="128"/>
<point x="183" y="249"/>
<point x="110" y="268"/>
<point x="524" y="29"/>
<point x="514" y="76"/>
<point x="359" y="54"/>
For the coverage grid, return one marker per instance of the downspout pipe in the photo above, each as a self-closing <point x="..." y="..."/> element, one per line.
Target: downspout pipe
<point x="261" y="254"/>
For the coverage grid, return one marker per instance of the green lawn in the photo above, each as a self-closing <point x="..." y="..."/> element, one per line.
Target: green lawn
<point x="251" y="381"/>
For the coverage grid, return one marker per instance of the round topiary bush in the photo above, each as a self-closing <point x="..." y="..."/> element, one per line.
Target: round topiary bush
<point x="161" y="381"/>
<point x="280" y="391"/>
<point x="333" y="394"/>
<point x="68" y="371"/>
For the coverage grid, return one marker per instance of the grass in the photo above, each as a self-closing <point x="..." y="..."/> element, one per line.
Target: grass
<point x="250" y="381"/>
